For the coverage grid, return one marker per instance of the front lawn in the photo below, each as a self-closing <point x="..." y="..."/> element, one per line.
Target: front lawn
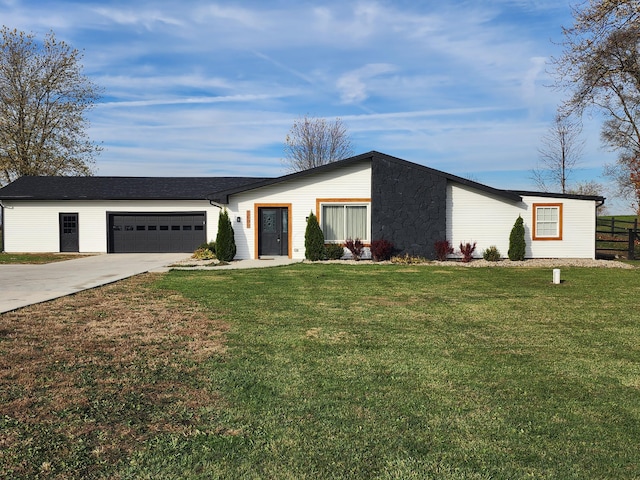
<point x="330" y="371"/>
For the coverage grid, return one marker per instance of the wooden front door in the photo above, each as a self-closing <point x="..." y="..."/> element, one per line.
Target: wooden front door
<point x="273" y="231"/>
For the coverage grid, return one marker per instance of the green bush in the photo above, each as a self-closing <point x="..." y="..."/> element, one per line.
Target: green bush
<point x="517" y="245"/>
<point x="314" y="249"/>
<point x="335" y="251"/>
<point x="225" y="241"/>
<point x="492" y="254"/>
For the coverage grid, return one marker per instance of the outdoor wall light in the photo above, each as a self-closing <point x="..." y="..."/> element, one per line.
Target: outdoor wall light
<point x="238" y="219"/>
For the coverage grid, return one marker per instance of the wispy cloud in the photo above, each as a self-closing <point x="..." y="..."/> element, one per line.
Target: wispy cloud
<point x="204" y="87"/>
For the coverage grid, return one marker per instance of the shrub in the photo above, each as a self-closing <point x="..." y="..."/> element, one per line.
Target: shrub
<point x="381" y="250"/>
<point x="208" y="246"/>
<point x="314" y="249"/>
<point x="334" y="251"/>
<point x="443" y="249"/>
<point x="203" y="254"/>
<point x="407" y="259"/>
<point x="517" y="245"/>
<point x="225" y="241"/>
<point x="355" y="247"/>
<point x="467" y="251"/>
<point x="492" y="254"/>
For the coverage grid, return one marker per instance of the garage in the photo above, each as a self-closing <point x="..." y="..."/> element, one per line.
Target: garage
<point x="156" y="232"/>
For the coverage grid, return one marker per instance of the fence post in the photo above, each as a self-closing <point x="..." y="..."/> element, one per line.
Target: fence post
<point x="632" y="239"/>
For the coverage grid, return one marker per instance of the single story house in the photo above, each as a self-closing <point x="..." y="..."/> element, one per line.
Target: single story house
<point x="369" y="196"/>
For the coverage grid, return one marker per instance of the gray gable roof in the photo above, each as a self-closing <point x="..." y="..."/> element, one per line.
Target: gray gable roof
<point x="119" y="188"/>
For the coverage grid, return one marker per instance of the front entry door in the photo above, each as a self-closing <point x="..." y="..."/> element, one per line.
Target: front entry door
<point x="69" y="238"/>
<point x="273" y="238"/>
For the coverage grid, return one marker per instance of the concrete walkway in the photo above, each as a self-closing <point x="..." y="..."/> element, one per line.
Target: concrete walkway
<point x="22" y="285"/>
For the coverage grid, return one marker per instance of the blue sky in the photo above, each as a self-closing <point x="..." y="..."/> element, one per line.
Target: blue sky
<point x="207" y="88"/>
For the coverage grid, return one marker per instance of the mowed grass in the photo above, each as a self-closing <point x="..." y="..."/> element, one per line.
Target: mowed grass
<point x="342" y="371"/>
<point x="425" y="372"/>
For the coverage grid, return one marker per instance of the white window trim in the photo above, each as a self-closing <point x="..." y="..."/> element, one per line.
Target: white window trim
<point x="346" y="203"/>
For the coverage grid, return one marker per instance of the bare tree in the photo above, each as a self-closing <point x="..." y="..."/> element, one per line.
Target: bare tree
<point x="591" y="188"/>
<point x="43" y="100"/>
<point x="626" y="175"/>
<point x="600" y="67"/>
<point x="559" y="153"/>
<point x="312" y="142"/>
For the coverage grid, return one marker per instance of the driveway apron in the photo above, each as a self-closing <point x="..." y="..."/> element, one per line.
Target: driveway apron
<point x="22" y="285"/>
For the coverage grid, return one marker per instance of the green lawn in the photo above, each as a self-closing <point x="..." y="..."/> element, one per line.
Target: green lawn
<point x="392" y="372"/>
<point x="388" y="372"/>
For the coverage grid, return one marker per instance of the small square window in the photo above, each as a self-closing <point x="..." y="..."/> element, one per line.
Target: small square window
<point x="547" y="221"/>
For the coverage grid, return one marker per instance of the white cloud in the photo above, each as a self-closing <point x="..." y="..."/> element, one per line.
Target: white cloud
<point x="353" y="85"/>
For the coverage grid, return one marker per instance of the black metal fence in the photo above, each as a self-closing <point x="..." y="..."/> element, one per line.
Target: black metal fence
<point x="617" y="237"/>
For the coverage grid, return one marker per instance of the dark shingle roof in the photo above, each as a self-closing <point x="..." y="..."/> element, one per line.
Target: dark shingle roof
<point x="120" y="188"/>
<point x="222" y="196"/>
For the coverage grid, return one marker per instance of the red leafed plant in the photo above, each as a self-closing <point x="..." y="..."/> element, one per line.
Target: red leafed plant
<point x="467" y="251"/>
<point x="381" y="250"/>
<point x="355" y="247"/>
<point x="443" y="249"/>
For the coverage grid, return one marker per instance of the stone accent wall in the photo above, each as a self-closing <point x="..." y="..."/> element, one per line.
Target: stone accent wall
<point x="408" y="206"/>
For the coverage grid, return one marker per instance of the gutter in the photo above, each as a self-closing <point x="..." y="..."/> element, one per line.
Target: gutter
<point x="2" y="207"/>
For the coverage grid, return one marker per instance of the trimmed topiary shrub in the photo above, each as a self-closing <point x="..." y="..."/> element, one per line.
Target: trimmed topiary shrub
<point x="517" y="245"/>
<point x="492" y="254"/>
<point x="335" y="251"/>
<point x="314" y="248"/>
<point x="381" y="250"/>
<point x="225" y="240"/>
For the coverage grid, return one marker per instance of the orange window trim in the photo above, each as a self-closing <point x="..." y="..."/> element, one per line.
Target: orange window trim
<point x="535" y="224"/>
<point x="256" y="224"/>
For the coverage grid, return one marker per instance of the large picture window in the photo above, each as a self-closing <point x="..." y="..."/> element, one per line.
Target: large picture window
<point x="547" y="221"/>
<point x="340" y="221"/>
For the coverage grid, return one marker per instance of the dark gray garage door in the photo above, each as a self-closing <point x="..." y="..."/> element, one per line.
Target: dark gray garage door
<point x="156" y="232"/>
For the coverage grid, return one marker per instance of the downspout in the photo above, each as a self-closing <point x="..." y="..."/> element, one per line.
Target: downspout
<point x="2" y="226"/>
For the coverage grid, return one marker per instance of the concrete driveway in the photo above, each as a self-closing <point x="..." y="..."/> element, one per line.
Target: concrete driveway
<point x="22" y="285"/>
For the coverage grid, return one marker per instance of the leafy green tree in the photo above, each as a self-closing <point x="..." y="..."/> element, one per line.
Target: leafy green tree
<point x="517" y="244"/>
<point x="44" y="97"/>
<point x="314" y="248"/>
<point x="225" y="240"/>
